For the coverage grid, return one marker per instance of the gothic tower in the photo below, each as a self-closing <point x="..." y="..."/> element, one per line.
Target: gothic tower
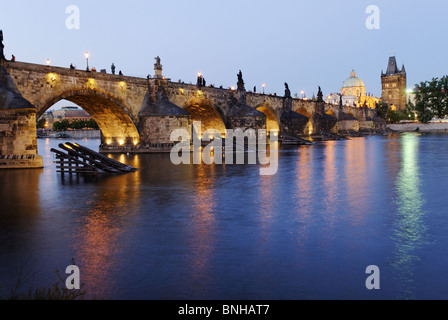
<point x="394" y="85"/>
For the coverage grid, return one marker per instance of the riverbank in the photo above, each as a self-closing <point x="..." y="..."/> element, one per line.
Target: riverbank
<point x="419" y="127"/>
<point x="74" y="134"/>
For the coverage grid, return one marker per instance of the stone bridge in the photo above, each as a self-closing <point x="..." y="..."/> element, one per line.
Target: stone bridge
<point x="138" y="115"/>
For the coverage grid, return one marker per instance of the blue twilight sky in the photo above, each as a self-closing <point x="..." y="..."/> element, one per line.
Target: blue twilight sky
<point x="305" y="43"/>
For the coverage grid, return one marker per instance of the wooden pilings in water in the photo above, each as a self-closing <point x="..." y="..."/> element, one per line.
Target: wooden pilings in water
<point x="79" y="159"/>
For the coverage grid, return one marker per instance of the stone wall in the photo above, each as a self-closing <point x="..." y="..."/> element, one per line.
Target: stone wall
<point x="367" y="125"/>
<point x="421" y="127"/>
<point x="246" y="122"/>
<point x="348" y="126"/>
<point x="78" y="134"/>
<point x="157" y="130"/>
<point x="18" y="141"/>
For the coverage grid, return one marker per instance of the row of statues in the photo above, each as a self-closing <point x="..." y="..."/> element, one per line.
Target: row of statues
<point x="200" y="82"/>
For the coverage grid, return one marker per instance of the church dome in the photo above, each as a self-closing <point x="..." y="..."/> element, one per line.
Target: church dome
<point x="353" y="81"/>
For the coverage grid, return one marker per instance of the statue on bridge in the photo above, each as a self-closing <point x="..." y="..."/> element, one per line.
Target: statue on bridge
<point x="287" y="91"/>
<point x="158" y="68"/>
<point x="2" y="55"/>
<point x="320" y="95"/>
<point x="240" y="81"/>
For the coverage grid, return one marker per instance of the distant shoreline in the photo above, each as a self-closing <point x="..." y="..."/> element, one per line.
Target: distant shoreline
<point x="76" y="134"/>
<point x="419" y="127"/>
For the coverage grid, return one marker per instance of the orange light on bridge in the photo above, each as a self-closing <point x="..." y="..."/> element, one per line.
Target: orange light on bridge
<point x="121" y="142"/>
<point x="122" y="84"/>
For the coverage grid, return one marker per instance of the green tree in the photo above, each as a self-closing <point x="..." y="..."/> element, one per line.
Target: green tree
<point x="92" y="124"/>
<point x="61" y="125"/>
<point x="41" y="124"/>
<point x="78" y="124"/>
<point x="382" y="109"/>
<point x="431" y="99"/>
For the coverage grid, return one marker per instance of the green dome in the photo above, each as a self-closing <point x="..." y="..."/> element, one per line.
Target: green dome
<point x="353" y="81"/>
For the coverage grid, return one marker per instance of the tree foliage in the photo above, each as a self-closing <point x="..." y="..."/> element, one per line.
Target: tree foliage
<point x="382" y="109"/>
<point x="41" y="124"/>
<point x="75" y="125"/>
<point x="431" y="99"/>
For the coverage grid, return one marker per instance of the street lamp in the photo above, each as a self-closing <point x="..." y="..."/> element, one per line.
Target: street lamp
<point x="48" y="62"/>
<point x="263" y="85"/>
<point x="302" y="93"/>
<point x="87" y="58"/>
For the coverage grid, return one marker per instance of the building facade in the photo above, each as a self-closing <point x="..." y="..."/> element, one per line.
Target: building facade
<point x="65" y="113"/>
<point x="393" y="84"/>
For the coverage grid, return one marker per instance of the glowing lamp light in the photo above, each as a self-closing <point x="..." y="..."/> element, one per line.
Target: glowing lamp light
<point x="121" y="142"/>
<point x="122" y="84"/>
<point x="48" y="62"/>
<point x="52" y="77"/>
<point x="109" y="142"/>
<point x="86" y="55"/>
<point x="199" y="74"/>
<point x="233" y="88"/>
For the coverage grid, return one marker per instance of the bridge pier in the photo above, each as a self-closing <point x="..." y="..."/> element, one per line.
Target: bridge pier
<point x="18" y="139"/>
<point x="242" y="116"/>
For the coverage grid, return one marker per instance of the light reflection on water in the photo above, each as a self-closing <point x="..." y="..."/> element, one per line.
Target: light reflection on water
<point x="410" y="229"/>
<point x="226" y="232"/>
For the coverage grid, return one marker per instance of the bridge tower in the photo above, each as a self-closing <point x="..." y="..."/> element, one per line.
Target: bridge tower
<point x="394" y="85"/>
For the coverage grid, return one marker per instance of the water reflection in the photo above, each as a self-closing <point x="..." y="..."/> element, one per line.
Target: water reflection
<point x="331" y="183"/>
<point x="409" y="230"/>
<point x="304" y="196"/>
<point x="356" y="172"/>
<point x="101" y="228"/>
<point x="202" y="229"/>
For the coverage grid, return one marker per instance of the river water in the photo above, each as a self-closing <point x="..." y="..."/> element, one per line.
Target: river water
<point x="226" y="232"/>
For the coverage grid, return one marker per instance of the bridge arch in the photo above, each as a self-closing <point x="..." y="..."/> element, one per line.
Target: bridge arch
<point x="116" y="124"/>
<point x="304" y="111"/>
<point x="331" y="112"/>
<point x="272" y="123"/>
<point x="202" y="110"/>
